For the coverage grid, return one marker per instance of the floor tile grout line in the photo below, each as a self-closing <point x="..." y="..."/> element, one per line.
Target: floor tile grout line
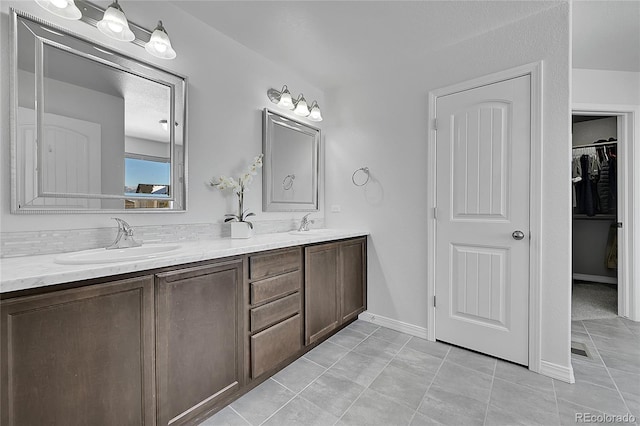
<point x="299" y="394"/>
<point x="593" y="344"/>
<point x="493" y="378"/>
<point x="367" y="387"/>
<point x="432" y="380"/>
<point x="295" y="394"/>
<point x="624" y="401"/>
<point x="240" y="415"/>
<point x="555" y="397"/>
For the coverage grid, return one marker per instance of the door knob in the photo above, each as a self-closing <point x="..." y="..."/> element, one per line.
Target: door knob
<point x="517" y="235"/>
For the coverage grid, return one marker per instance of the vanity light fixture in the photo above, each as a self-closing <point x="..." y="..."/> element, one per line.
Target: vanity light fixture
<point x="66" y="9"/>
<point x="299" y="105"/>
<point x="114" y="23"/>
<point x="159" y="44"/>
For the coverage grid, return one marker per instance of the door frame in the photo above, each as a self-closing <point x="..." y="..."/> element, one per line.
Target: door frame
<point x="628" y="206"/>
<point x="534" y="70"/>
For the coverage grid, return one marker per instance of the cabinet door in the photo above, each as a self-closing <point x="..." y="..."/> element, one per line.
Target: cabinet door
<point x="197" y="341"/>
<point x="321" y="291"/>
<point x="79" y="357"/>
<point x="353" y="278"/>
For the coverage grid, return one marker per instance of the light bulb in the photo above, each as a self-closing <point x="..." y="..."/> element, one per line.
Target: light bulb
<point x="115" y="27"/>
<point x="315" y="114"/>
<point x="60" y="4"/>
<point x="66" y="9"/>
<point x="159" y="45"/>
<point x="285" y="98"/>
<point x="301" y="107"/>
<point x="114" y="24"/>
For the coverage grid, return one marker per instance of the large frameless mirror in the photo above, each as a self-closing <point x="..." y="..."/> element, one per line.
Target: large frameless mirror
<point x="90" y="127"/>
<point x="290" y="179"/>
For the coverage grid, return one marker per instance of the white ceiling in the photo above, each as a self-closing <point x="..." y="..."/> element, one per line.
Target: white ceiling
<point x="606" y="35"/>
<point x="333" y="42"/>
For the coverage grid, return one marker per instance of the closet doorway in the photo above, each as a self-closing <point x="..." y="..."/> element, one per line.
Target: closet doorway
<point x="599" y="202"/>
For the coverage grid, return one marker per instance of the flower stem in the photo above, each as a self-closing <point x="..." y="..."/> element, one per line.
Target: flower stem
<point x="240" y="203"/>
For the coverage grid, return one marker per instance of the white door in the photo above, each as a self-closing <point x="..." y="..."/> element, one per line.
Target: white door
<point x="482" y="228"/>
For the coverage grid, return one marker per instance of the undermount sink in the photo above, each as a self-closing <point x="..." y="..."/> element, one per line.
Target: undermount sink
<point x="144" y="252"/>
<point x="312" y="232"/>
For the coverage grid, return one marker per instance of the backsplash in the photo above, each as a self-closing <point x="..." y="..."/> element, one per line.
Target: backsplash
<point x="13" y="244"/>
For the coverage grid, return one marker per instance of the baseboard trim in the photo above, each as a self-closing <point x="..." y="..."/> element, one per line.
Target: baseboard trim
<point x="393" y="324"/>
<point x="556" y="371"/>
<point x="595" y="278"/>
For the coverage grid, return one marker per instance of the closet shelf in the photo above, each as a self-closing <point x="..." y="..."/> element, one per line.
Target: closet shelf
<point x="596" y="217"/>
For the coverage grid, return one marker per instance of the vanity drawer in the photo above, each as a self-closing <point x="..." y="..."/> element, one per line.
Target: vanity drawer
<point x="272" y="288"/>
<point x="274" y="263"/>
<point x="275" y="311"/>
<point x="275" y="344"/>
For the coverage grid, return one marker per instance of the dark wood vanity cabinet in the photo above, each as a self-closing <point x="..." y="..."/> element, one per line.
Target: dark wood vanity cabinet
<point x="273" y="309"/>
<point x="335" y="286"/>
<point x="352" y="261"/>
<point x="172" y="345"/>
<point x="198" y="314"/>
<point x="79" y="357"/>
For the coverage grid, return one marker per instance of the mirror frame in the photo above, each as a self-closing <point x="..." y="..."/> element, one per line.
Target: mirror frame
<point x="91" y="50"/>
<point x="272" y="118"/>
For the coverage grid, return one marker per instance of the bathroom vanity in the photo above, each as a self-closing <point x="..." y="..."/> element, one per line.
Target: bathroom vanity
<point x="170" y="340"/>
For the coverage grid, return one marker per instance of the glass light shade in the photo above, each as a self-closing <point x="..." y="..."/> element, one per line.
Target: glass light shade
<point x="66" y="9"/>
<point x="285" y="98"/>
<point x="159" y="44"/>
<point x="114" y="24"/>
<point x="315" y="114"/>
<point x="301" y="107"/>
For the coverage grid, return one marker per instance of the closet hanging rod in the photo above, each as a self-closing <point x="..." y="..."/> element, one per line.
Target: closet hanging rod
<point x="595" y="144"/>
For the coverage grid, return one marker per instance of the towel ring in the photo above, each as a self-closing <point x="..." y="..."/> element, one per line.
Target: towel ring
<point x="364" y="170"/>
<point x="287" y="182"/>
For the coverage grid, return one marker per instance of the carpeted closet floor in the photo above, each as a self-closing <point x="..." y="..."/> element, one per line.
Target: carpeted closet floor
<point x="593" y="301"/>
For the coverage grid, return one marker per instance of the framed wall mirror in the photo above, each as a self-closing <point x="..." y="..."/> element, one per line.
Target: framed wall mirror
<point x="290" y="174"/>
<point x="90" y="126"/>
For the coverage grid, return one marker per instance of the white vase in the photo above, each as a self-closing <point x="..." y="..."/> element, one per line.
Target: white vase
<point x="241" y="230"/>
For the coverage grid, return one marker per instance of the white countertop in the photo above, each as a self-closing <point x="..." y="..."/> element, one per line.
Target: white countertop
<point x="20" y="273"/>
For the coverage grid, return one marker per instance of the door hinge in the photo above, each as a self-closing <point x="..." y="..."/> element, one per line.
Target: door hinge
<point x="435" y="212"/>
<point x="619" y="224"/>
<point x="434" y="301"/>
<point x="435" y="124"/>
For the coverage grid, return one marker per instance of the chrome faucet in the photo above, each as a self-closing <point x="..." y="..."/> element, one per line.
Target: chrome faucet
<point x="305" y="222"/>
<point x="124" y="239"/>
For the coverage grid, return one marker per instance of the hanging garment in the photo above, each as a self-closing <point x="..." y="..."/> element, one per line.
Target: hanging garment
<point x="613" y="184"/>
<point x="611" y="254"/>
<point x="576" y="177"/>
<point x="585" y="189"/>
<point x="603" y="187"/>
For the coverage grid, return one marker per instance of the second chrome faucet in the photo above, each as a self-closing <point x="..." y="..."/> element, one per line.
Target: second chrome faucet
<point x="305" y="222"/>
<point x="124" y="239"/>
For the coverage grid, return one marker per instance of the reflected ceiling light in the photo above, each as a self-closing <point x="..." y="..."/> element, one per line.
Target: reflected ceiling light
<point x="283" y="98"/>
<point x="301" y="106"/>
<point x="315" y="114"/>
<point x="66" y="9"/>
<point x="159" y="44"/>
<point x="114" y="23"/>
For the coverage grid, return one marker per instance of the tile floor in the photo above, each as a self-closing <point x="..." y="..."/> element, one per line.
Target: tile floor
<point x="370" y="375"/>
